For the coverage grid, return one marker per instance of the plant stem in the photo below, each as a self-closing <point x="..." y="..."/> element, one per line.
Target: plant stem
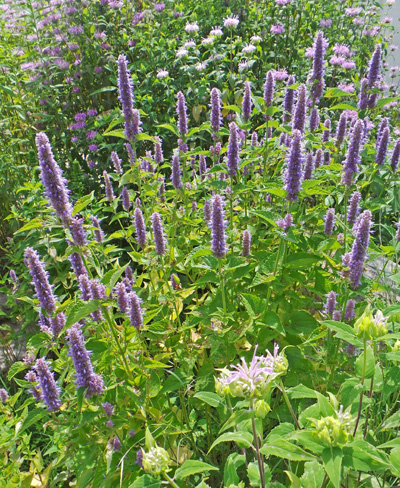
<point x="222" y="287"/>
<point x="286" y="398"/>
<point x="362" y="383"/>
<point x="257" y="448"/>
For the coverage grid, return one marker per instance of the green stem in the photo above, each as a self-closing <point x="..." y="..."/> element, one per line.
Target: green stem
<point x="289" y="405"/>
<point x="362" y="383"/>
<point x="222" y="287"/>
<point x="170" y="480"/>
<point x="257" y="448"/>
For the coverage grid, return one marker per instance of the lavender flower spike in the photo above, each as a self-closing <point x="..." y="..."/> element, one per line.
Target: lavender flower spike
<point x="233" y="149"/>
<point x="158" y="233"/>
<point x="40" y="280"/>
<point x="329" y="221"/>
<point x="50" y="390"/>
<point x="122" y="297"/>
<point x="382" y="147"/>
<point x="158" y="152"/>
<point x="299" y="118"/>
<point x="176" y="171"/>
<point x="374" y="66"/>
<point x="289" y="100"/>
<point x="395" y="156"/>
<point x="360" y="248"/>
<point x="52" y="179"/>
<point x="353" y="208"/>
<point x="293" y="172"/>
<point x="125" y="87"/>
<point x="353" y="153"/>
<point x="246" y="243"/>
<point x="215" y="114"/>
<point x="314" y="119"/>
<point x="85" y="376"/>
<point x="349" y="312"/>
<point x="218" y="227"/>
<point x="341" y="129"/>
<point x="78" y="234"/>
<point x="181" y="111"/>
<point x="140" y="228"/>
<point x="136" y="312"/>
<point x="363" y="95"/>
<point x="3" y="395"/>
<point x="126" y="201"/>
<point x="317" y="76"/>
<point x="247" y="103"/>
<point x="108" y="187"/>
<point x="309" y="167"/>
<point x="330" y="304"/>
<point x="269" y="88"/>
<point x="318" y="158"/>
<point x="207" y="211"/>
<point x="98" y="233"/>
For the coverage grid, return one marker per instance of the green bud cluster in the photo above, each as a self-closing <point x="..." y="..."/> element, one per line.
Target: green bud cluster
<point x="156" y="461"/>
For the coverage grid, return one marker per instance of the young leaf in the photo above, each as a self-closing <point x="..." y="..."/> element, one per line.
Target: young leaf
<point x="190" y="467"/>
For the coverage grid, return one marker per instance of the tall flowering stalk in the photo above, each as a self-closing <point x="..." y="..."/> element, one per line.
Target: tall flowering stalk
<point x="289" y="100"/>
<point x="158" y="152"/>
<point x="299" y="118"/>
<point x="269" y="88"/>
<point x="233" y="149"/>
<point x="215" y="113"/>
<point x="363" y="95"/>
<point x="354" y="208"/>
<point x="125" y="88"/>
<point x="246" y="243"/>
<point x="314" y="119"/>
<point x="85" y="376"/>
<point x="353" y="153"/>
<point x="182" y="116"/>
<point x="247" y="103"/>
<point x="40" y="279"/>
<point x="108" y="187"/>
<point x="374" y="66"/>
<point x="53" y="181"/>
<point x="341" y="129"/>
<point x="50" y="389"/>
<point x="395" y="156"/>
<point x="176" y="171"/>
<point x="218" y="224"/>
<point x="329" y="221"/>
<point x="293" y="172"/>
<point x="360" y="248"/>
<point x="158" y="233"/>
<point x="382" y="147"/>
<point x="317" y="75"/>
<point x="309" y="166"/>
<point x="136" y="313"/>
<point x="140" y="227"/>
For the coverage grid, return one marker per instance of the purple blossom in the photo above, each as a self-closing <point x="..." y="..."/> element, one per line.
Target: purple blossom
<point x="57" y="324"/>
<point x="330" y="304"/>
<point x="84" y="286"/>
<point x="349" y="313"/>
<point x="122" y="297"/>
<point x="3" y="396"/>
<point x="233" y="149"/>
<point x="299" y="118"/>
<point x="353" y="153"/>
<point x="341" y="129"/>
<point x="215" y="113"/>
<point x="289" y="100"/>
<point x="293" y="172"/>
<point x="108" y="187"/>
<point x="374" y="66"/>
<point x="158" y="152"/>
<point x="52" y="179"/>
<point x="309" y="166"/>
<point x="136" y="313"/>
<point x="318" y="158"/>
<point x="314" y="119"/>
<point x="246" y="243"/>
<point x="117" y="162"/>
<point x="125" y="87"/>
<point x="78" y="234"/>
<point x="277" y="29"/>
<point x="329" y="221"/>
<point x="269" y="88"/>
<point x="108" y="408"/>
<point x="383" y="143"/>
<point x="354" y="208"/>
<point x="218" y="225"/>
<point x="131" y="153"/>
<point x="129" y="275"/>
<point x="360" y="248"/>
<point x="50" y="389"/>
<point x="140" y="227"/>
<point x="85" y="376"/>
<point x="202" y="166"/>
<point x="116" y="444"/>
<point x="317" y="76"/>
<point x="40" y="280"/>
<point x="337" y="316"/>
<point x="126" y="202"/>
<point x="35" y="390"/>
<point x="158" y="233"/>
<point x="176" y="172"/>
<point x="247" y="103"/>
<point x="98" y="233"/>
<point x="182" y="116"/>
<point x="395" y="156"/>
<point x="13" y="276"/>
<point x="207" y="211"/>
<point x="254" y="139"/>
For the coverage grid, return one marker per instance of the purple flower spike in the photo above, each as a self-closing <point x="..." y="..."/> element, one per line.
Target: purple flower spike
<point x="215" y="113"/>
<point x="289" y="100"/>
<point x="309" y="166"/>
<point x="360" y="248"/>
<point x="131" y="153"/>
<point x="202" y="166"/>
<point x="269" y="88"/>
<point x="108" y="187"/>
<point x="299" y="118"/>
<point x="57" y="324"/>
<point x="50" y="390"/>
<point x="382" y="127"/>
<point x="158" y="152"/>
<point x="337" y="316"/>
<point x="254" y="139"/>
<point x="3" y="396"/>
<point x="125" y="87"/>
<point x="233" y="149"/>
<point x="317" y="76"/>
<point x="247" y="103"/>
<point x="246" y="243"/>
<point x="329" y="221"/>
<point x="354" y="208"/>
<point x="293" y="173"/>
<point x="136" y="313"/>
<point x="53" y="181"/>
<point x="374" y="66"/>
<point x="327" y="130"/>
<point x="122" y="297"/>
<point x="395" y="156"/>
<point x="218" y="227"/>
<point x="181" y="111"/>
<point x="84" y="286"/>
<point x="108" y="408"/>
<point x="363" y="95"/>
<point x="117" y="162"/>
<point x="207" y="211"/>
<point x="318" y="158"/>
<point x="136" y="122"/>
<point x="314" y="119"/>
<point x="158" y="233"/>
<point x="330" y="304"/>
<point x="383" y="146"/>
<point x="78" y="234"/>
<point x="35" y="390"/>
<point x="349" y="312"/>
<point x="85" y="376"/>
<point x="129" y="275"/>
<point x="176" y="171"/>
<point x="341" y="129"/>
<point x="77" y="264"/>
<point x="98" y="233"/>
<point x="40" y="279"/>
<point x="140" y="228"/>
<point x="126" y="202"/>
<point x="353" y="153"/>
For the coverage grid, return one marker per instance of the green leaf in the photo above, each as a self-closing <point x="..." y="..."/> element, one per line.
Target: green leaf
<point x="198" y="252"/>
<point x="243" y="439"/>
<point x="337" y="92"/>
<point x="286" y="450"/>
<point x="236" y="418"/>
<point x="392" y="422"/>
<point x="112" y="276"/>
<point x="116" y="133"/>
<point x="210" y="398"/>
<point x="32" y="224"/>
<point x="16" y="368"/>
<point x="370" y="363"/>
<point x="80" y="310"/>
<point x="82" y="203"/>
<point x="104" y="89"/>
<point x="332" y="458"/>
<point x="33" y="417"/>
<point x="395" y="461"/>
<point x="303" y="322"/>
<point x="344" y="106"/>
<point x="170" y="127"/>
<point x="190" y="467"/>
<point x="343" y="331"/>
<point x="383" y="101"/>
<point x="301" y="260"/>
<point x="146" y="481"/>
<point x="313" y="475"/>
<point x="363" y="456"/>
<point x="253" y="472"/>
<point x="301" y="391"/>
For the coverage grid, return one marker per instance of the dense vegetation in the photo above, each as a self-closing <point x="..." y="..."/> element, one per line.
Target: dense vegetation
<point x="200" y="242"/>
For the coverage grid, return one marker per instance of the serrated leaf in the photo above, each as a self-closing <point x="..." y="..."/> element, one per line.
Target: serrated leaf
<point x="146" y="481"/>
<point x="332" y="459"/>
<point x="104" y="89"/>
<point x="210" y="398"/>
<point x="16" y="368"/>
<point x="286" y="450"/>
<point x="198" y="252"/>
<point x="80" y="310"/>
<point x="82" y="203"/>
<point x="33" y="417"/>
<point x="370" y="363"/>
<point x="190" y="467"/>
<point x="111" y="277"/>
<point x="243" y="439"/>
<point x="116" y="133"/>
